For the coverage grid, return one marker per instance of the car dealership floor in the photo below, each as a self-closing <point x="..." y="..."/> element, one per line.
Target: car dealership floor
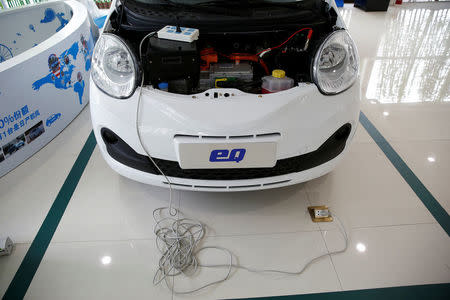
<point x="104" y="246"/>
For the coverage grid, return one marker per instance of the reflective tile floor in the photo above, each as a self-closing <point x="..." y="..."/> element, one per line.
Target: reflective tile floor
<point x="104" y="247"/>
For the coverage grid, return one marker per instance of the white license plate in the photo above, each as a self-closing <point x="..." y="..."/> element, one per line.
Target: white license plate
<point x="200" y="155"/>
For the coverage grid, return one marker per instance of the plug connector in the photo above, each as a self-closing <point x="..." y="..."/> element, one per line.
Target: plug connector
<point x="320" y="213"/>
<point x="308" y="38"/>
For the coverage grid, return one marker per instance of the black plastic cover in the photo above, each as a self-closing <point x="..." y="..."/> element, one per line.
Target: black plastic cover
<point x="171" y="60"/>
<point x="123" y="153"/>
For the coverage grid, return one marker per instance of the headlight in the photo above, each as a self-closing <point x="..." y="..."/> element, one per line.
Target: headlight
<point x="114" y="67"/>
<point x="336" y="63"/>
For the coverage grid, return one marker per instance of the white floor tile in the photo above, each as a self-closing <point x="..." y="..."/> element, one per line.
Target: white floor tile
<point x="28" y="191"/>
<point x="411" y="122"/>
<point x="393" y="256"/>
<point x="244" y="213"/>
<point x="361" y="136"/>
<point x="366" y="190"/>
<point x="76" y="271"/>
<point x="430" y="161"/>
<point x="10" y="264"/>
<point x="280" y="251"/>
<point x="108" y="207"/>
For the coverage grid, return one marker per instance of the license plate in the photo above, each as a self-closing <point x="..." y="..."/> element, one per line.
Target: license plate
<point x="200" y="155"/>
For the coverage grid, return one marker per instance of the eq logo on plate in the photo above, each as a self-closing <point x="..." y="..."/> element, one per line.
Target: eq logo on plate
<point x="226" y="155"/>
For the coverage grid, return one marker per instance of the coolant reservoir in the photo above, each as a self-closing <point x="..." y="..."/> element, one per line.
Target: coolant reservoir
<point x="277" y="82"/>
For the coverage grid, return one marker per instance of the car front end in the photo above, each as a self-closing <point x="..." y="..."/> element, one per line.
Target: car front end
<point x="197" y="111"/>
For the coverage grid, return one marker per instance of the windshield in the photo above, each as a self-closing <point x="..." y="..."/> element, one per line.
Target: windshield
<point x="220" y="14"/>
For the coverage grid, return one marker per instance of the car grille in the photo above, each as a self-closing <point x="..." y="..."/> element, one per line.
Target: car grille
<point x="123" y="153"/>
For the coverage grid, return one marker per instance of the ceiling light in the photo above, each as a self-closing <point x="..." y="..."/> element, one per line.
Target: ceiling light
<point x="361" y="247"/>
<point x="106" y="260"/>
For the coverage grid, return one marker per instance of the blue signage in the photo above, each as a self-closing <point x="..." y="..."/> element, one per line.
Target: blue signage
<point x="225" y="155"/>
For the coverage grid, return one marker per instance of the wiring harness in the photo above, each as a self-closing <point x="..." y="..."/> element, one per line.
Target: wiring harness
<point x="308" y="38"/>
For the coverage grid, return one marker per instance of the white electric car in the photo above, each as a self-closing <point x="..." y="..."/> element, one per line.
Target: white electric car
<point x="224" y="95"/>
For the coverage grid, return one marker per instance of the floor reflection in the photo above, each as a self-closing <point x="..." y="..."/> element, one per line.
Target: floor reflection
<point x="412" y="60"/>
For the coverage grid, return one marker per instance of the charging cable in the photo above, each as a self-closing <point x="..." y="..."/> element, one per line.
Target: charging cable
<point x="172" y="211"/>
<point x="177" y="237"/>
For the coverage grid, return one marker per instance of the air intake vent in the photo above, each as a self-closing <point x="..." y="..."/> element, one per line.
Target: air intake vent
<point x="228" y="187"/>
<point x="231" y="137"/>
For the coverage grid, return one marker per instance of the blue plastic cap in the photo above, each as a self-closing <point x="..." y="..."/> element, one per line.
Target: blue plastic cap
<point x="163" y="85"/>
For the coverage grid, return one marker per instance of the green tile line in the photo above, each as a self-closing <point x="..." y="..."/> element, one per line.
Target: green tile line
<point x="24" y="275"/>
<point x="412" y="292"/>
<point x="408" y="175"/>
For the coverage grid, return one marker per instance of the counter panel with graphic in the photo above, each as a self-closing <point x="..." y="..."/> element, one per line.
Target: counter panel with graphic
<point x="20" y="32"/>
<point x="44" y="75"/>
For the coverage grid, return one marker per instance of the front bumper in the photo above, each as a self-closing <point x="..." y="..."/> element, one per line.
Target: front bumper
<point x="307" y="122"/>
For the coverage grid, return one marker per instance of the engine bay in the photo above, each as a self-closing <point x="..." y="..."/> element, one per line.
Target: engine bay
<point x="231" y="62"/>
<point x="265" y="61"/>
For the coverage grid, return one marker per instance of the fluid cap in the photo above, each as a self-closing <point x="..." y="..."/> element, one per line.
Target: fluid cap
<point x="278" y="73"/>
<point x="163" y="85"/>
